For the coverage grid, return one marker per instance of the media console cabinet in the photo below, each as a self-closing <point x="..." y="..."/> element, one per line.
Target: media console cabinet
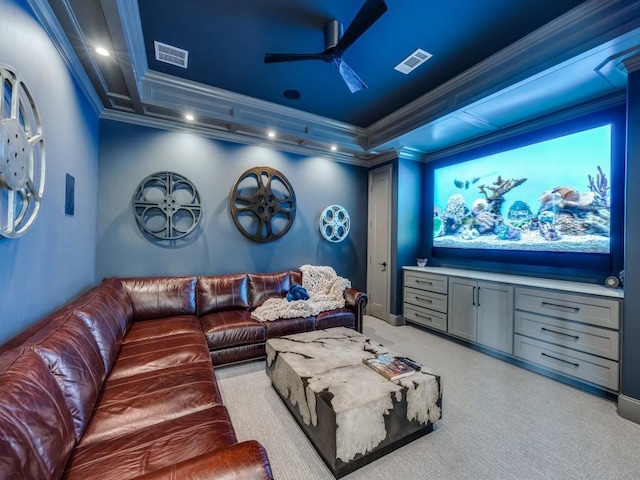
<point x="562" y="328"/>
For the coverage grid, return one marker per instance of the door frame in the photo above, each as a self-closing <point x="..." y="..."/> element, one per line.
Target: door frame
<point x="388" y="169"/>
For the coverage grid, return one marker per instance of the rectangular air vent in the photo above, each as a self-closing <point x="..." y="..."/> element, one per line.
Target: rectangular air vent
<point x="169" y="54"/>
<point x="413" y="61"/>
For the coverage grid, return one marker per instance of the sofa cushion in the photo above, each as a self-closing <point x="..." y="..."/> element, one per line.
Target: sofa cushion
<point x="36" y="428"/>
<point x="106" y="310"/>
<point x="232" y="328"/>
<point x="241" y="353"/>
<point x="295" y="276"/>
<point x="287" y="326"/>
<point x="154" y="447"/>
<point x="341" y="317"/>
<point x="222" y="292"/>
<point x="154" y="354"/>
<point x="158" y="297"/>
<point x="150" y="329"/>
<point x="72" y="354"/>
<point x="152" y="398"/>
<point x="267" y="285"/>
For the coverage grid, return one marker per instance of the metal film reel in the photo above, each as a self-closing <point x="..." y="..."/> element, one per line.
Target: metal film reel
<point x="334" y="223"/>
<point x="22" y="163"/>
<point x="167" y="206"/>
<point x="263" y="204"/>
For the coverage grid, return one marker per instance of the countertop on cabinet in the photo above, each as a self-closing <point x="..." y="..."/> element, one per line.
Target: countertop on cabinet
<point x="576" y="287"/>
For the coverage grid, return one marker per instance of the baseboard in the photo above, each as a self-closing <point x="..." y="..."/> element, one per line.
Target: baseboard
<point x="629" y="408"/>
<point x="395" y="320"/>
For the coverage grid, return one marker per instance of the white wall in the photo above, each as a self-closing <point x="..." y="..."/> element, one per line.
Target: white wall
<point x="55" y="259"/>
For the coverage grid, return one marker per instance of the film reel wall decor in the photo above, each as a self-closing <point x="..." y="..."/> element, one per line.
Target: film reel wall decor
<point x="334" y="223"/>
<point x="167" y="206"/>
<point x="22" y="162"/>
<point x="263" y="204"/>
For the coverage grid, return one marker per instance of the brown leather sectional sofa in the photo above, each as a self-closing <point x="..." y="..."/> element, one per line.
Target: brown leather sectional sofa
<point x="120" y="384"/>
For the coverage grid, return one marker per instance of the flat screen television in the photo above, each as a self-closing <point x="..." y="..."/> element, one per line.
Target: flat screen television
<point x="554" y="198"/>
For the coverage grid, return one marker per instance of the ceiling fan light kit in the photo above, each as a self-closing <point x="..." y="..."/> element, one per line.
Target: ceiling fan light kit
<point x="336" y="44"/>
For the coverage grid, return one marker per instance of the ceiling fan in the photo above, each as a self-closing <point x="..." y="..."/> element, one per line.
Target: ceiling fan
<point x="335" y="45"/>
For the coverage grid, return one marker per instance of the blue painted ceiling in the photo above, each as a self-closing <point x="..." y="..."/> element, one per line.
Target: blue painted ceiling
<point x="227" y="41"/>
<point x="496" y="65"/>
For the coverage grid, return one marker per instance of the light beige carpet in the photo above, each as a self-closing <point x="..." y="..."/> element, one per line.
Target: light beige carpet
<point x="499" y="422"/>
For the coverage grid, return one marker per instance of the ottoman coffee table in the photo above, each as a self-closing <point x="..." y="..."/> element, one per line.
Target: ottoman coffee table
<point x="350" y="413"/>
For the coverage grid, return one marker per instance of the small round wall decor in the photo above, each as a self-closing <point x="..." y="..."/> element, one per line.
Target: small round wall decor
<point x="22" y="165"/>
<point x="167" y="206"/>
<point x="263" y="204"/>
<point x="334" y="223"/>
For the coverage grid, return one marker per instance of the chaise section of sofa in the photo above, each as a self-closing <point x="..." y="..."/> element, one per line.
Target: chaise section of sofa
<point x="116" y="385"/>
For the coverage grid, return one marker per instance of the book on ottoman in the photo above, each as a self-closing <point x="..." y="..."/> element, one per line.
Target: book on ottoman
<point x="392" y="368"/>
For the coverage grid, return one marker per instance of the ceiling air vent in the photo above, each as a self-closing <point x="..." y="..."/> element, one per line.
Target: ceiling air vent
<point x="413" y="61"/>
<point x="169" y="54"/>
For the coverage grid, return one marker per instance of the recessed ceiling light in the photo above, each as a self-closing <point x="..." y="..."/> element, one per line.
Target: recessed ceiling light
<point x="271" y="134"/>
<point x="102" y="51"/>
<point x="189" y="117"/>
<point x="334" y="148"/>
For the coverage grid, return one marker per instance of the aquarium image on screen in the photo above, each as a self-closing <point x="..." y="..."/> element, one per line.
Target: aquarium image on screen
<point x="551" y="196"/>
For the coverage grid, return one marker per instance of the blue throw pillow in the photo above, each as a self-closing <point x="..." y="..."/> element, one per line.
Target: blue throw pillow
<point x="297" y="292"/>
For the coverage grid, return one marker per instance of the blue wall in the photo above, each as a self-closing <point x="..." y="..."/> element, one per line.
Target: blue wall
<point x="630" y="325"/>
<point x="407" y="245"/>
<point x="129" y="153"/>
<point x="55" y="259"/>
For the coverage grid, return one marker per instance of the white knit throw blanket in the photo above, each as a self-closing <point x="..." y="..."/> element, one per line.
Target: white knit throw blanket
<point x="326" y="292"/>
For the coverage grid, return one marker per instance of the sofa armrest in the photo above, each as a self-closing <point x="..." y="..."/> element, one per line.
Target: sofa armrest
<point x="246" y="461"/>
<point x="356" y="300"/>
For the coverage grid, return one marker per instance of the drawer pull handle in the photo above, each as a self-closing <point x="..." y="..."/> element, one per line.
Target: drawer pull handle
<point x="421" y="299"/>
<point x="546" y="330"/>
<point x="555" y="306"/>
<point x="429" y="319"/>
<point x="575" y="365"/>
<point x="423" y="281"/>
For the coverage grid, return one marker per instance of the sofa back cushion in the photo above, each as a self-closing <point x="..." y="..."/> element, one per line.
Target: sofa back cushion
<point x="73" y="356"/>
<point x="267" y="285"/>
<point x="222" y="292"/>
<point x="36" y="429"/>
<point x="107" y="312"/>
<point x="159" y="297"/>
<point x="296" y="277"/>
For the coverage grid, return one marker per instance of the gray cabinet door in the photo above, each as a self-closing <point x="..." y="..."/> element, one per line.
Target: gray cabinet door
<point x="495" y="316"/>
<point x="462" y="308"/>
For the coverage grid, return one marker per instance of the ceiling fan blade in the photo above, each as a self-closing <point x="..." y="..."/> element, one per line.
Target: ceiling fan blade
<point x="293" y="57"/>
<point x="350" y="77"/>
<point x="369" y="13"/>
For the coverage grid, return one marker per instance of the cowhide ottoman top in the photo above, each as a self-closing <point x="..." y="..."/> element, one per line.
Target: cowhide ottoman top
<point x="352" y="414"/>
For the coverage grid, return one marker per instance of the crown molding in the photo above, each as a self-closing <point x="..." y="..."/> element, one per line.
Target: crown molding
<point x="170" y="124"/>
<point x="49" y="22"/>
<point x="630" y="63"/>
<point x="584" y="27"/>
<point x="180" y="95"/>
<point x="132" y="29"/>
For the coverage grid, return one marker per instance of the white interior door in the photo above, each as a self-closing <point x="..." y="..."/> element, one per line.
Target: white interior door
<point x="379" y="239"/>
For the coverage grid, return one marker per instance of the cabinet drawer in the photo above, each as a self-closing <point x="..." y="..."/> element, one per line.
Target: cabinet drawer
<point x="596" y="370"/>
<point x="596" y="341"/>
<point x="598" y="311"/>
<point x="426" y="281"/>
<point x="430" y="300"/>
<point x="426" y="317"/>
